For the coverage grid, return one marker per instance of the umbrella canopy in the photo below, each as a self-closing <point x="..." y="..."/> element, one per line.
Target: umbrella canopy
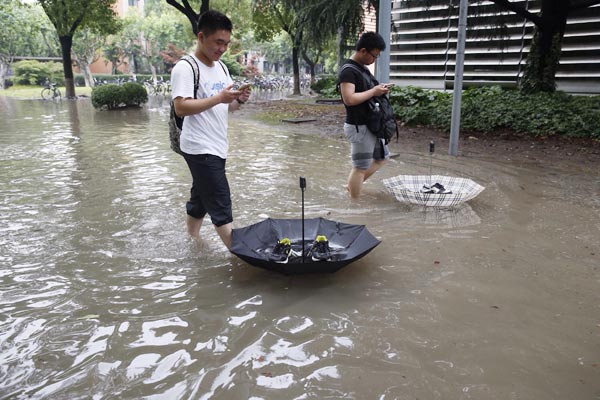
<point x="347" y="243"/>
<point x="410" y="189"/>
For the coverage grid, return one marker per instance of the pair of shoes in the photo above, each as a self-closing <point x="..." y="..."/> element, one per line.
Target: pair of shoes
<point x="281" y="251"/>
<point x="436" y="188"/>
<point x="320" y="250"/>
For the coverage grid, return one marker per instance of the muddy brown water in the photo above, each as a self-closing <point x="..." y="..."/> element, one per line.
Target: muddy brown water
<point x="102" y="295"/>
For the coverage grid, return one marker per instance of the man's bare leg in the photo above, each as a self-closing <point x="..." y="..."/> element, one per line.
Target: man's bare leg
<point x="358" y="176"/>
<point x="355" y="181"/>
<point x="193" y="226"/>
<point x="375" y="166"/>
<point x="224" y="232"/>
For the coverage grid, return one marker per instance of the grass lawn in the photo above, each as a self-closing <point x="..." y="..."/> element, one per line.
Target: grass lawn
<point x="34" y="92"/>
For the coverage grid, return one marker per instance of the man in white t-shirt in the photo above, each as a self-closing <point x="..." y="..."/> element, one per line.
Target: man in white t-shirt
<point x="204" y="133"/>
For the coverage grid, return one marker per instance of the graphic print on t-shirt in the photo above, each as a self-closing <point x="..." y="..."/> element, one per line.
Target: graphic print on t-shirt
<point x="211" y="88"/>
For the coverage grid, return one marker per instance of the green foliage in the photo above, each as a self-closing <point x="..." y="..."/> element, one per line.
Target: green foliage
<point x="234" y="67"/>
<point x="540" y="114"/>
<point x="109" y="96"/>
<point x="540" y="70"/>
<point x="115" y="96"/>
<point x="32" y="72"/>
<point x="492" y="108"/>
<point x="413" y="105"/>
<point x="134" y="94"/>
<point x="69" y="15"/>
<point x="324" y="82"/>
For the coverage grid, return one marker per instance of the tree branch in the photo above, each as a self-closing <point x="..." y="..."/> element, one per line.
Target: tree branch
<point x="578" y="5"/>
<point x="78" y="20"/>
<point x="178" y="6"/>
<point x="519" y="10"/>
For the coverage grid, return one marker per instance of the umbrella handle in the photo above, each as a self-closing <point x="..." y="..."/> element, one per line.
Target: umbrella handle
<point x="431" y="151"/>
<point x="302" y="187"/>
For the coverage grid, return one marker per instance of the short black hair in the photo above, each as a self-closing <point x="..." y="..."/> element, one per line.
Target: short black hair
<point x="211" y="21"/>
<point x="370" y="41"/>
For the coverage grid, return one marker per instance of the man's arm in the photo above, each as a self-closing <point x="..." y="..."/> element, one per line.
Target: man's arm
<point x="185" y="106"/>
<point x="353" y="98"/>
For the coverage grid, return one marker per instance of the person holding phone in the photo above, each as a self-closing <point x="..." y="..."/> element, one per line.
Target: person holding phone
<point x="204" y="141"/>
<point x="368" y="152"/>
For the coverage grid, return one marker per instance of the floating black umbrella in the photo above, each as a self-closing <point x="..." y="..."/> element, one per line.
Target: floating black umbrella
<point x="347" y="243"/>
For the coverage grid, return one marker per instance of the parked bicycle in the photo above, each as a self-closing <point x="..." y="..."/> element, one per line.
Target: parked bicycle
<point x="158" y="87"/>
<point x="50" y="91"/>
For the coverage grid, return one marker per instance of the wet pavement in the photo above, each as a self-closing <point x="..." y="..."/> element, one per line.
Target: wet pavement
<point x="102" y="295"/>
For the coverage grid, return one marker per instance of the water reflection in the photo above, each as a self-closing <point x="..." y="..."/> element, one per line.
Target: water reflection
<point x="102" y="292"/>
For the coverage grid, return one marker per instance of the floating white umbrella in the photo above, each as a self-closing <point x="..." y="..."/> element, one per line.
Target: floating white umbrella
<point x="432" y="190"/>
<point x="410" y="189"/>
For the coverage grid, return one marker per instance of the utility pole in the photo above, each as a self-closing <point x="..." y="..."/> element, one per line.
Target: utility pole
<point x="458" y="78"/>
<point x="382" y="68"/>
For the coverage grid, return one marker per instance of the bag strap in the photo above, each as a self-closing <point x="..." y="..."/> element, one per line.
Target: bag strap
<point x="194" y="64"/>
<point x="190" y="60"/>
<point x="368" y="78"/>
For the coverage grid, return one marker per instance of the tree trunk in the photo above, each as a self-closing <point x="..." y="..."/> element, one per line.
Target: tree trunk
<point x="311" y="65"/>
<point x="296" y="68"/>
<point x="66" y="42"/>
<point x="544" y="54"/>
<point x="87" y="75"/>
<point x="153" y="72"/>
<point x="341" y="39"/>
<point x="3" y="72"/>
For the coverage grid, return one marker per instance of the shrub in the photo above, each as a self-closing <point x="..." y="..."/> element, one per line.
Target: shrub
<point x="33" y="72"/>
<point x="109" y="96"/>
<point x="114" y="96"/>
<point x="492" y="108"/>
<point x="134" y="94"/>
<point x="324" y="82"/>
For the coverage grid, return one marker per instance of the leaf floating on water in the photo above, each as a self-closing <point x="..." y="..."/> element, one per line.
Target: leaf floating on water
<point x="89" y="316"/>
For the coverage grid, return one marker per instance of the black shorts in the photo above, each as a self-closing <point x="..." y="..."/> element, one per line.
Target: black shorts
<point x="210" y="190"/>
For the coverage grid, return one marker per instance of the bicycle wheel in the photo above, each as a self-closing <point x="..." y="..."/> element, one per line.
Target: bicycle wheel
<point x="46" y="93"/>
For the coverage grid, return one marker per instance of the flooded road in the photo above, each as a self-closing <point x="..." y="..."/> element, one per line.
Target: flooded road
<point x="103" y="296"/>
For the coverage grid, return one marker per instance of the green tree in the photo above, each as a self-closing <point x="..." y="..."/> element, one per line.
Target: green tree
<point x="289" y="16"/>
<point x="544" y="54"/>
<point x="342" y="19"/>
<point x="146" y="39"/>
<point x="68" y="16"/>
<point x="13" y="16"/>
<point x="86" y="51"/>
<point x="157" y="32"/>
<point x="187" y="9"/>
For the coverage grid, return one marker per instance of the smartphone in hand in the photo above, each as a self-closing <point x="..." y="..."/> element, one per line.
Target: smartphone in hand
<point x="243" y="87"/>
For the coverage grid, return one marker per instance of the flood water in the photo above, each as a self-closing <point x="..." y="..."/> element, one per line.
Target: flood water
<point x="102" y="295"/>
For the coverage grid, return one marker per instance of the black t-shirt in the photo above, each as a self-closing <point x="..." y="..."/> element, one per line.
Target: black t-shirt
<point x="356" y="115"/>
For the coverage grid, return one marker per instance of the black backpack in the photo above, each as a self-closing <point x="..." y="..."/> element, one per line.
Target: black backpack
<point x="175" y="121"/>
<point x="381" y="120"/>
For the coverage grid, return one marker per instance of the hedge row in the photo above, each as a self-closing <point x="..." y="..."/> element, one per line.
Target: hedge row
<point x="493" y="108"/>
<point x="113" y="96"/>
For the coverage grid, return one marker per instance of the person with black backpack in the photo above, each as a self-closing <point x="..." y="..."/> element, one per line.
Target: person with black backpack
<point x="364" y="99"/>
<point x="203" y="93"/>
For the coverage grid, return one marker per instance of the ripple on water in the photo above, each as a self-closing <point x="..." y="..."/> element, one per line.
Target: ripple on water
<point x="102" y="292"/>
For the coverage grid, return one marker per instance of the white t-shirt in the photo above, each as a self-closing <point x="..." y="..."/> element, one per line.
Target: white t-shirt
<point x="205" y="132"/>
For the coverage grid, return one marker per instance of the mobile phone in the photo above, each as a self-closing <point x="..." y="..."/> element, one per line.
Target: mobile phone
<point x="389" y="85"/>
<point x="244" y="86"/>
